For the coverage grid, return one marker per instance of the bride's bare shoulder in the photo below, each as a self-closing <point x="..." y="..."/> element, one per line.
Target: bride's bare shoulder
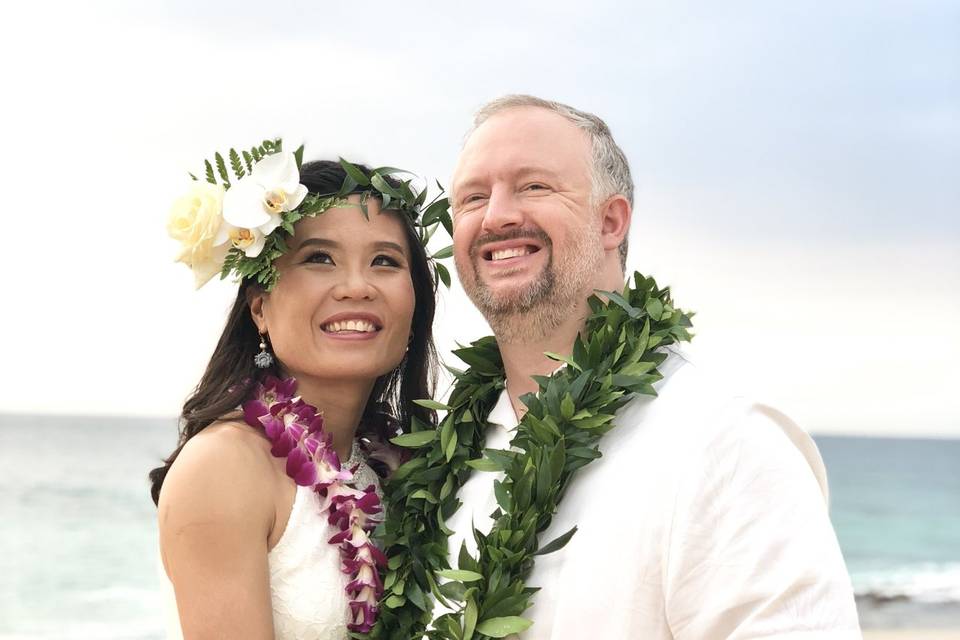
<point x="227" y="460"/>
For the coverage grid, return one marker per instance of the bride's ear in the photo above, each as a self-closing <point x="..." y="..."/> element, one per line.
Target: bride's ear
<point x="256" y="298"/>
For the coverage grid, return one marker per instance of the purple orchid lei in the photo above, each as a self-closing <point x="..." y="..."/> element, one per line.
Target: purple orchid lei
<point x="295" y="429"/>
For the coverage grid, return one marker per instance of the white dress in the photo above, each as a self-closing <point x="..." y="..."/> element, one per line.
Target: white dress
<point x="306" y="583"/>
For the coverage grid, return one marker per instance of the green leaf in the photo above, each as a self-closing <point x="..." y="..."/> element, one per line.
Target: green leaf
<point x="235" y="164"/>
<point x="208" y="169"/>
<point x="655" y="308"/>
<point x="349" y="184"/>
<point x="384" y="187"/>
<point x="298" y="155"/>
<point x="443" y="274"/>
<point x="248" y="160"/>
<point x="451" y="447"/>
<point x="355" y="173"/>
<point x="389" y="171"/>
<point x="502" y="457"/>
<point x="503" y="496"/>
<point x="502" y="627"/>
<point x="447" y="223"/>
<point x="469" y="619"/>
<point x="567" y="407"/>
<point x="620" y="301"/>
<point x="483" y="464"/>
<point x="426" y="495"/>
<point x="415" y="594"/>
<point x="444" y="253"/>
<point x="562" y="358"/>
<point x="453" y="591"/>
<point x="395" y="602"/>
<point x="461" y="575"/>
<point x="414" y="440"/>
<point x="556" y="544"/>
<point x="222" y="169"/>
<point x="593" y="421"/>
<point x="432" y="404"/>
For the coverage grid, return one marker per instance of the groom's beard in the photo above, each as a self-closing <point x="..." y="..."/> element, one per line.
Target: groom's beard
<point x="535" y="309"/>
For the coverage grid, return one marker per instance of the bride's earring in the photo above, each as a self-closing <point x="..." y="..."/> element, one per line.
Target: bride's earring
<point x="263" y="359"/>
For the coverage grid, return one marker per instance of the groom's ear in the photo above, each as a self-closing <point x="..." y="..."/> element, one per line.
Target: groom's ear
<point x="256" y="297"/>
<point x="615" y="216"/>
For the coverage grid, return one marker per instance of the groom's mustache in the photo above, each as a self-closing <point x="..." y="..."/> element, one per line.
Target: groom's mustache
<point x="536" y="234"/>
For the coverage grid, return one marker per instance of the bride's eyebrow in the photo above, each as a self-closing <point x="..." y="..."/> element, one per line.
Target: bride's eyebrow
<point x="326" y="243"/>
<point x="320" y="242"/>
<point x="385" y="244"/>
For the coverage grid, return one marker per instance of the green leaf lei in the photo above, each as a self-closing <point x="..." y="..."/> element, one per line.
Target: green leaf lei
<point x="615" y="358"/>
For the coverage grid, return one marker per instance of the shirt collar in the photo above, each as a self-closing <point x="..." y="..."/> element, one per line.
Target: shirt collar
<point x="502" y="413"/>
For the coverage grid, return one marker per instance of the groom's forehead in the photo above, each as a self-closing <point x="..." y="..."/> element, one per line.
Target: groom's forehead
<point x="520" y="141"/>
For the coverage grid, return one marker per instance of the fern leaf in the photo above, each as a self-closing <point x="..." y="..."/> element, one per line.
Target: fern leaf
<point x="209" y="169"/>
<point x="222" y="169"/>
<point x="248" y="159"/>
<point x="235" y="164"/>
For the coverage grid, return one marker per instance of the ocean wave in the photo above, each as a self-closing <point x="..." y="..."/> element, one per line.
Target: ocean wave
<point x="928" y="583"/>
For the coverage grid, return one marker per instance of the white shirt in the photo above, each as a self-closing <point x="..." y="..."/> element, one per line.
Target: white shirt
<point x="706" y="518"/>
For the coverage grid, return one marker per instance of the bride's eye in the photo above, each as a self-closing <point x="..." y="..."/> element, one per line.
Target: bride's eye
<point x="384" y="261"/>
<point x="319" y="257"/>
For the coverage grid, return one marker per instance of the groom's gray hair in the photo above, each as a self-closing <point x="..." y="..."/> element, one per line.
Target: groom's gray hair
<point x="609" y="169"/>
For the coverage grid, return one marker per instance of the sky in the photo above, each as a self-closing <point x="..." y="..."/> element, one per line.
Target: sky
<point x="797" y="169"/>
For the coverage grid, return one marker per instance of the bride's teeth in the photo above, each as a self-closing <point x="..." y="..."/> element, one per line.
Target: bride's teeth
<point x="351" y="325"/>
<point x="503" y="254"/>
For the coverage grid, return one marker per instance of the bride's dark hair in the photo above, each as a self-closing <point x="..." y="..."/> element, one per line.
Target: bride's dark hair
<point x="231" y="373"/>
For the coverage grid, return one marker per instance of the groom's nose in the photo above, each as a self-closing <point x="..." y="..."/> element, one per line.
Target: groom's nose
<point x="503" y="211"/>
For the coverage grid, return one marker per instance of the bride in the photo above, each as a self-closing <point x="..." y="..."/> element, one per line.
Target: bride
<point x="264" y="510"/>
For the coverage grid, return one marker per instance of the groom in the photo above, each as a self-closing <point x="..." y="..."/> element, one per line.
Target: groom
<point x="705" y="518"/>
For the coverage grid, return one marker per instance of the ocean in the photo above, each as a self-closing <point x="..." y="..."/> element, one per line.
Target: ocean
<point x="78" y="535"/>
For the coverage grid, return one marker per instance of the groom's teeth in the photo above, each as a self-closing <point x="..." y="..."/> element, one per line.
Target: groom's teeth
<point x="503" y="254"/>
<point x="363" y="326"/>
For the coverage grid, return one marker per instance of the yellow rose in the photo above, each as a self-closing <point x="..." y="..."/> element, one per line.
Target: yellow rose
<point x="195" y="221"/>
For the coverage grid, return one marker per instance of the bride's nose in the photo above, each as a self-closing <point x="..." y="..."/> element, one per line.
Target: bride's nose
<point x="354" y="284"/>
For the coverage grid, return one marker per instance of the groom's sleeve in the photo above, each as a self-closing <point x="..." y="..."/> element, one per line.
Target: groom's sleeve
<point x="752" y="553"/>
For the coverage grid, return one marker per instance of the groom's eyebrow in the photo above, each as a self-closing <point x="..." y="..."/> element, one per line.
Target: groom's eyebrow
<point x="515" y="173"/>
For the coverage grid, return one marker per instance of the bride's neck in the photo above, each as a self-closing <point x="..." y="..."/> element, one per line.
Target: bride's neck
<point x="341" y="402"/>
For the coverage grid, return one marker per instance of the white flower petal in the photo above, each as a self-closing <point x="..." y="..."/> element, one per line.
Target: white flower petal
<point x="254" y="249"/>
<point x="296" y="196"/>
<point x="268" y="227"/>
<point x="243" y="205"/>
<point x="275" y="170"/>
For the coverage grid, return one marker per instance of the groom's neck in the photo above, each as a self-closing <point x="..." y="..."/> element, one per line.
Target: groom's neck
<point x="523" y="354"/>
<point x="523" y="358"/>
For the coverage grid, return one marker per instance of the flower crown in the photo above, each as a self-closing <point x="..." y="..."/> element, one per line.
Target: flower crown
<point x="240" y="223"/>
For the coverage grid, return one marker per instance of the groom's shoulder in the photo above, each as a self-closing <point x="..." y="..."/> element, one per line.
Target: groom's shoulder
<point x="685" y="392"/>
<point x="694" y="405"/>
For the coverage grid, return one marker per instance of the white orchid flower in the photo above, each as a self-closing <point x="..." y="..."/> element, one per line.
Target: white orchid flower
<point x="252" y="208"/>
